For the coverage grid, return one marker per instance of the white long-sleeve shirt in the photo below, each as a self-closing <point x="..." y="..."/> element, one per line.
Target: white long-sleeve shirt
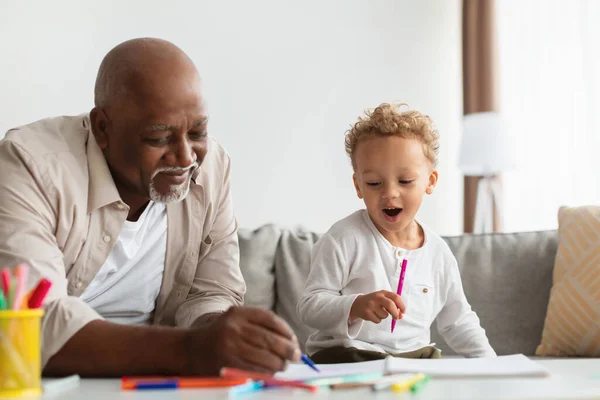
<point x="354" y="258"/>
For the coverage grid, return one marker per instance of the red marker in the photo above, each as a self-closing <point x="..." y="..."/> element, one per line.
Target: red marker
<point x="39" y="294"/>
<point x="5" y="281"/>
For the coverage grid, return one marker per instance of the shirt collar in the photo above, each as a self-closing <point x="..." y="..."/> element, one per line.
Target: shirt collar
<point x="101" y="189"/>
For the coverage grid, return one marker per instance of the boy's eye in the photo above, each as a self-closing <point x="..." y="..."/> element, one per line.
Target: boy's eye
<point x="406" y="182"/>
<point x="373" y="183"/>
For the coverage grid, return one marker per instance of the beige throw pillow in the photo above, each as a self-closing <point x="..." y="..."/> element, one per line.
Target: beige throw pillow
<point x="572" y="326"/>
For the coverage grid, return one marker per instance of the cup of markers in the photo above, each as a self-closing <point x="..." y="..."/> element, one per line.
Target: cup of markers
<point x="20" y="319"/>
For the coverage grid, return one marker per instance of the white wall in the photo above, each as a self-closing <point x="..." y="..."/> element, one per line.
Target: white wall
<point x="284" y="81"/>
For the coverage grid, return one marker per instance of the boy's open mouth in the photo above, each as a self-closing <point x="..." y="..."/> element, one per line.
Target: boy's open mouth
<point x="392" y="212"/>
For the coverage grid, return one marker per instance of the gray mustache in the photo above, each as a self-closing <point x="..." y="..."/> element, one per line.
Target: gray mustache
<point x="180" y="170"/>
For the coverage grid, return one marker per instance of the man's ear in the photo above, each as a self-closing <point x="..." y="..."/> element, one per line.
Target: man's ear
<point x="358" y="192"/>
<point x="100" y="124"/>
<point x="433" y="178"/>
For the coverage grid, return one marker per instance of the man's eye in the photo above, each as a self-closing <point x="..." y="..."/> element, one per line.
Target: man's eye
<point x="197" y="135"/>
<point x="157" y="142"/>
<point x="373" y="183"/>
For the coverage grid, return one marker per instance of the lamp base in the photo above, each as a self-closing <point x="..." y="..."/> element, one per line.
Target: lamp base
<point x="488" y="216"/>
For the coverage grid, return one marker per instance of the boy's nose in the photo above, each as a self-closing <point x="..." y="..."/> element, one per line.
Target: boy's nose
<point x="391" y="192"/>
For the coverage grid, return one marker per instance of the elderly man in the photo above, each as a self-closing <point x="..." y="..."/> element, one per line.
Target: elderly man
<point x="128" y="212"/>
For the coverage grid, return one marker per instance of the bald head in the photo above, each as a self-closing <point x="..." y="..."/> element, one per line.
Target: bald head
<point x="149" y="117"/>
<point x="138" y="68"/>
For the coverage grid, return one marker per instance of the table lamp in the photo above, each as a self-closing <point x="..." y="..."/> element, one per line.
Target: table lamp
<point x="487" y="150"/>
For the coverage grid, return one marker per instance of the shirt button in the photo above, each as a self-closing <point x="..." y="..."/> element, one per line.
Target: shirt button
<point x="78" y="285"/>
<point x="425" y="290"/>
<point x="106" y="239"/>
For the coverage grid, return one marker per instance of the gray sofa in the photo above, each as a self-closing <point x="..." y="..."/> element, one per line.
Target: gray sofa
<point x="506" y="277"/>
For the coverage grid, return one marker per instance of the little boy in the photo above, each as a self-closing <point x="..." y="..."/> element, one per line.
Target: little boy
<point x="350" y="294"/>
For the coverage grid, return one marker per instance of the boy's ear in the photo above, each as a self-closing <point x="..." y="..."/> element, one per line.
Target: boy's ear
<point x="358" y="192"/>
<point x="433" y="178"/>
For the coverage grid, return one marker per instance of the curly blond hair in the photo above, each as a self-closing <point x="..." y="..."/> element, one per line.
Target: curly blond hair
<point x="390" y="120"/>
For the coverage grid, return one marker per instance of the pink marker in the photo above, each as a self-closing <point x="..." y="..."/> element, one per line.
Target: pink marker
<point x="22" y="272"/>
<point x="400" y="284"/>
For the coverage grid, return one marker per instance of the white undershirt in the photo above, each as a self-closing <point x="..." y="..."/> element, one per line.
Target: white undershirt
<point x="354" y="258"/>
<point x="126" y="287"/>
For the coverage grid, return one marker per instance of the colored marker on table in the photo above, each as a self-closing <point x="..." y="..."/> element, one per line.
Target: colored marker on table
<point x="400" y="284"/>
<point x="386" y="382"/>
<point x="156" y="385"/>
<point x="249" y="387"/>
<point x="342" y="381"/>
<point x="408" y="384"/>
<point x="266" y="378"/>
<point x="157" y="382"/>
<point x="418" y="386"/>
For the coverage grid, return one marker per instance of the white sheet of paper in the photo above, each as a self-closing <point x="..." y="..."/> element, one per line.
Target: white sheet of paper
<point x="516" y="365"/>
<point x="303" y="372"/>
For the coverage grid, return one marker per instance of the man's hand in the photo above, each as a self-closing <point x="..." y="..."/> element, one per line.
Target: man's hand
<point x="248" y="338"/>
<point x="376" y="306"/>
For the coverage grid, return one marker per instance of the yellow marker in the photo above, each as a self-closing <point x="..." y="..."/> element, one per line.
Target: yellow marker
<point x="407" y="384"/>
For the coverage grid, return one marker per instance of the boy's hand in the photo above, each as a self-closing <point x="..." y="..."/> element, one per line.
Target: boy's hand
<point x="376" y="306"/>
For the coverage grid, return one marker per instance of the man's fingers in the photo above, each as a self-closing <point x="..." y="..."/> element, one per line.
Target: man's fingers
<point x="266" y="319"/>
<point x="243" y="364"/>
<point x="274" y="343"/>
<point x="261" y="359"/>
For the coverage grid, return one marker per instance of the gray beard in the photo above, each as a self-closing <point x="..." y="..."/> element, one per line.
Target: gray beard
<point x="176" y="192"/>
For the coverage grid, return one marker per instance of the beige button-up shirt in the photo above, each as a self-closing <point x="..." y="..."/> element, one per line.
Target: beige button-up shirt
<point x="61" y="213"/>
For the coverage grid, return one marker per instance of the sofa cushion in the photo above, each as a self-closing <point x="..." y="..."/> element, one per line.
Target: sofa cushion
<point x="257" y="262"/>
<point x="507" y="280"/>
<point x="292" y="265"/>
<point x="572" y="326"/>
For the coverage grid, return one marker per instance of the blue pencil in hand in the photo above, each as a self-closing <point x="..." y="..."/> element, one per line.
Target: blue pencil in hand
<point x="306" y="360"/>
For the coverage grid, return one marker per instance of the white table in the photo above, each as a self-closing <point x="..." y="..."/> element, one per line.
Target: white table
<point x="571" y="379"/>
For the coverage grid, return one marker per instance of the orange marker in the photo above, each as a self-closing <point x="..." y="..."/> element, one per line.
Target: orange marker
<point x="175" y="382"/>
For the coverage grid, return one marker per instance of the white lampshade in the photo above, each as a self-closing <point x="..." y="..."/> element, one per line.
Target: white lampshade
<point x="487" y="146"/>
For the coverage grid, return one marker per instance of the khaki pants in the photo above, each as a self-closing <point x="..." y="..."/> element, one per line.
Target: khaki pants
<point x="336" y="355"/>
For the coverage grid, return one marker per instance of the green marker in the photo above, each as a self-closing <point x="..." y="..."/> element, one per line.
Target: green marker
<point x="417" y="387"/>
<point x="11" y="294"/>
<point x="2" y="301"/>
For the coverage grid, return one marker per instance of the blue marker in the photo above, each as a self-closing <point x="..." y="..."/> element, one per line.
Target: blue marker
<point x="246" y="388"/>
<point x="168" y="384"/>
<point x="306" y="360"/>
